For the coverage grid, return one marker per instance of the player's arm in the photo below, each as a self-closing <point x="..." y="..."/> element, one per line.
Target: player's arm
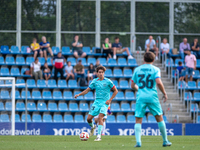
<point x="134" y="86"/>
<point x="113" y="95"/>
<point x="162" y="89"/>
<point x="82" y="93"/>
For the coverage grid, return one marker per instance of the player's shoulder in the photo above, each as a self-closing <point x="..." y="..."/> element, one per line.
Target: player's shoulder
<point x="106" y="79"/>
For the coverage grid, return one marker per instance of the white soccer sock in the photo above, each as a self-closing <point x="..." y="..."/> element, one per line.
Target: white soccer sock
<point x="104" y="128"/>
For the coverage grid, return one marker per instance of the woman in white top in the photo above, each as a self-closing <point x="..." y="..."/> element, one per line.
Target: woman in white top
<point x="69" y="71"/>
<point x="36" y="69"/>
<point x="164" y="46"/>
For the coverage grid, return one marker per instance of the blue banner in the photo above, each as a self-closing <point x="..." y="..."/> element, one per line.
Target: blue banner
<point x="77" y="128"/>
<point x="192" y="129"/>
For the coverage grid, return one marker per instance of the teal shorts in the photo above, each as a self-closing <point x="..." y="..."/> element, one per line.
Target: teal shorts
<point x="155" y="109"/>
<point x="96" y="109"/>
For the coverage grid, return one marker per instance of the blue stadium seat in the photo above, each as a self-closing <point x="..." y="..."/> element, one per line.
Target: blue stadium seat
<point x="67" y="95"/>
<point x="36" y="118"/>
<point x="57" y="95"/>
<point x="121" y="119"/>
<point x="196" y="74"/>
<point x="4" y="71"/>
<point x="102" y="61"/>
<point x="165" y="119"/>
<point x="14" y="50"/>
<point x="111" y="119"/>
<point x="31" y="83"/>
<point x="177" y="61"/>
<point x="68" y="118"/>
<point x="62" y="84"/>
<point x="86" y="50"/>
<point x="41" y="106"/>
<point x="83" y="107"/>
<point x="41" y="60"/>
<point x="52" y="106"/>
<point x="181" y="84"/>
<point x="5" y="49"/>
<point x="115" y="82"/>
<point x="72" y="84"/>
<point x="46" y="95"/>
<point x="17" y="118"/>
<point x="133" y="107"/>
<point x="119" y="96"/>
<point x="78" y="118"/>
<point x="125" y="107"/>
<point x="1" y="106"/>
<point x="91" y="60"/>
<point x="31" y="106"/>
<point x="62" y="107"/>
<point x="115" y="107"/>
<point x="84" y="63"/>
<point x="57" y="118"/>
<point x="20" y="61"/>
<point x="20" y="106"/>
<point x="123" y="84"/>
<point x="23" y="71"/>
<point x="198" y="119"/>
<point x="4" y="118"/>
<point x="29" y="60"/>
<point x="41" y="83"/>
<point x="117" y="73"/>
<point x="4" y="94"/>
<point x="86" y="118"/>
<point x="66" y="50"/>
<point x="49" y="61"/>
<point x="128" y="73"/>
<point x="198" y="63"/>
<point x="24" y="118"/>
<point x="23" y="94"/>
<point x="169" y="63"/>
<point x="72" y="60"/>
<point x="47" y="118"/>
<point x="20" y="81"/>
<point x="89" y="96"/>
<point x="192" y="85"/>
<point x="2" y="60"/>
<point x="1" y="82"/>
<point x="8" y="106"/>
<point x="24" y="50"/>
<point x="8" y="83"/>
<point x="151" y="119"/>
<point x="15" y="72"/>
<point x="36" y="95"/>
<point x="196" y="96"/>
<point x="112" y="62"/>
<point x="108" y="73"/>
<point x="73" y="107"/>
<point x="80" y="97"/>
<point x="122" y="62"/>
<point x="55" y="50"/>
<point x="129" y="95"/>
<point x="194" y="107"/>
<point x="132" y="63"/>
<point x="131" y="119"/>
<point x="51" y="84"/>
<point x="144" y="120"/>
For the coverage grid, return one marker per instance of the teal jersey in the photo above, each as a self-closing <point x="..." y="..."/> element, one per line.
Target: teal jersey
<point x="102" y="89"/>
<point x="145" y="77"/>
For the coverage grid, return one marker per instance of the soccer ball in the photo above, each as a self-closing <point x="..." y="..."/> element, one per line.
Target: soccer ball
<point x="84" y="136"/>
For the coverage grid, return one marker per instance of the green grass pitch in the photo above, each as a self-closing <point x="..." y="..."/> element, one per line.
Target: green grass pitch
<point x="107" y="143"/>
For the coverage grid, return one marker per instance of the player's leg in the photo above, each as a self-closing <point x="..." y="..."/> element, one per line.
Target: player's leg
<point x="100" y="126"/>
<point x="91" y="124"/>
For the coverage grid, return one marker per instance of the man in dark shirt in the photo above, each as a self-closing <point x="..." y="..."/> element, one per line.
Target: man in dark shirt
<point x="45" y="47"/>
<point x="79" y="69"/>
<point x="195" y="48"/>
<point x="77" y="47"/>
<point x="59" y="62"/>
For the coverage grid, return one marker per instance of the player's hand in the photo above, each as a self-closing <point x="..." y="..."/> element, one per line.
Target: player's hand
<point x="165" y="98"/>
<point x="108" y="102"/>
<point x="77" y="95"/>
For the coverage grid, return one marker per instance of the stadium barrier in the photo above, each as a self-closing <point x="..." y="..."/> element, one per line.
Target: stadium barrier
<point x="192" y="129"/>
<point x="148" y="129"/>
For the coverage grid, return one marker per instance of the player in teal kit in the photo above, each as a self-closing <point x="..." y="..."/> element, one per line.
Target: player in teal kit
<point x="144" y="80"/>
<point x="102" y="86"/>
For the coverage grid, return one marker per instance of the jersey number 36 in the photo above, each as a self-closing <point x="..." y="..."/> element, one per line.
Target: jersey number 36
<point x="148" y="83"/>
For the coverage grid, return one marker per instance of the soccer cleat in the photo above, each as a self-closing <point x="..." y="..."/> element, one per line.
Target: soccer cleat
<point x="92" y="130"/>
<point x="138" y="145"/>
<point x="97" y="139"/>
<point x="167" y="143"/>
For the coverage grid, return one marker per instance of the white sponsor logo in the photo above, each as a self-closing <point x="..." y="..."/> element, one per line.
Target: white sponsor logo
<point x="20" y="132"/>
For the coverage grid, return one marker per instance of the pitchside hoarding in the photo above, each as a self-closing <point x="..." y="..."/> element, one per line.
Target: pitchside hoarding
<point x="192" y="129"/>
<point x="150" y="129"/>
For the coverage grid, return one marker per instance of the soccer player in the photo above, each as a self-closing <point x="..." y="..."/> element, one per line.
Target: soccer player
<point x="144" y="80"/>
<point x="102" y="86"/>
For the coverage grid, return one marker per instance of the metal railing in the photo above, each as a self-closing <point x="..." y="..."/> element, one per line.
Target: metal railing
<point x="176" y="119"/>
<point x="169" y="112"/>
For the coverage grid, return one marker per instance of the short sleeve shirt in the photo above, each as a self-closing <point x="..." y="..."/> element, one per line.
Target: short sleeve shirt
<point x="189" y="60"/>
<point x="117" y="45"/>
<point x="74" y="48"/>
<point x="36" y="67"/>
<point x="44" y="44"/>
<point x="69" y="69"/>
<point x="193" y="45"/>
<point x="164" y="47"/>
<point x="79" y="67"/>
<point x="153" y="42"/>
<point x="35" y="46"/>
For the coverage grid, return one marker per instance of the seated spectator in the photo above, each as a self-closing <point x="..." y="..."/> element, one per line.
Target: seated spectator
<point x="180" y="69"/>
<point x="184" y="47"/>
<point x="69" y="71"/>
<point x="190" y="61"/>
<point x="91" y="72"/>
<point x="59" y="62"/>
<point x="117" y="49"/>
<point x="36" y="69"/>
<point x="164" y="46"/>
<point x="45" y="47"/>
<point x="95" y="66"/>
<point x="150" y="45"/>
<point x="36" y="48"/>
<point x="107" y="48"/>
<point x="47" y="72"/>
<point x="195" y="48"/>
<point x="79" y="69"/>
<point x="77" y="48"/>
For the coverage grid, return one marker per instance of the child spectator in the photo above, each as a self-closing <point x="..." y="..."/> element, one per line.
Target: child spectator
<point x="190" y="61"/>
<point x="69" y="71"/>
<point x="47" y="73"/>
<point x="180" y="69"/>
<point x="91" y="72"/>
<point x="36" y="48"/>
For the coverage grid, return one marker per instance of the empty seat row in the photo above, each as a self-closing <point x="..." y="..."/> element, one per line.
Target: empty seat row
<point x="191" y="85"/>
<point x="195" y="97"/>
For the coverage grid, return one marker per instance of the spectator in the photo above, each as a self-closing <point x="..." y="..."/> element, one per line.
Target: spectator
<point x="47" y="72"/>
<point x="117" y="49"/>
<point x="69" y="71"/>
<point x="107" y="48"/>
<point x="150" y="45"/>
<point x="45" y="46"/>
<point x="97" y="64"/>
<point x="190" y="61"/>
<point x="79" y="69"/>
<point x="195" y="48"/>
<point x="36" y="48"/>
<point x="165" y="47"/>
<point x="59" y="62"/>
<point x="184" y="47"/>
<point x="180" y="69"/>
<point x="77" y="47"/>
<point x="36" y="69"/>
<point x="91" y="72"/>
